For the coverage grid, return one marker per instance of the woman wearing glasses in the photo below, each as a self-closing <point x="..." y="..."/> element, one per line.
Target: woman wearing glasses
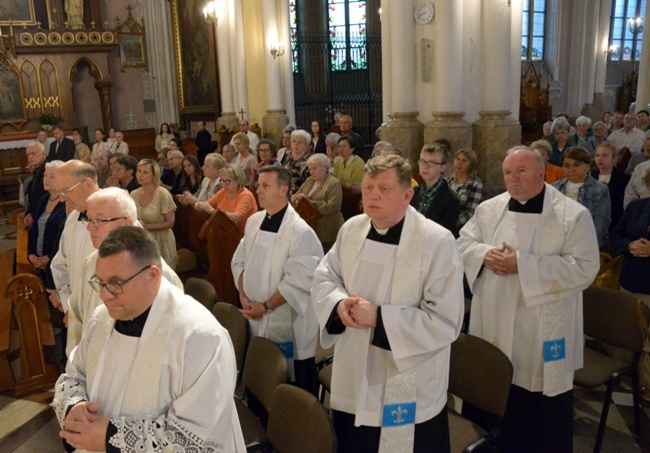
<point x="580" y="186"/>
<point x="234" y="198"/>
<point x="156" y="209"/>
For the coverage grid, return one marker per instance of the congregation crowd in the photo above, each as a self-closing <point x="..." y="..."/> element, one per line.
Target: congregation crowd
<point x="385" y="288"/>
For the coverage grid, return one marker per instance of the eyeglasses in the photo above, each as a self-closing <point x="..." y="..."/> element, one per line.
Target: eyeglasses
<point x="99" y="222"/>
<point x="115" y="288"/>
<point x="65" y="192"/>
<point x="225" y="182"/>
<point x="429" y="163"/>
<point x="575" y="166"/>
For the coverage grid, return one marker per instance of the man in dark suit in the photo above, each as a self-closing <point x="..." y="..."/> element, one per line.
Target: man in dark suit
<point x="203" y="141"/>
<point x="433" y="198"/>
<point x="62" y="148"/>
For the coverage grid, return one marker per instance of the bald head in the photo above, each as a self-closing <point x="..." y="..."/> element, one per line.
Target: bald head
<point x="75" y="182"/>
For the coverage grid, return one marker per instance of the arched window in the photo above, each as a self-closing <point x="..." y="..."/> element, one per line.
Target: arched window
<point x="533" y="30"/>
<point x="626" y="30"/>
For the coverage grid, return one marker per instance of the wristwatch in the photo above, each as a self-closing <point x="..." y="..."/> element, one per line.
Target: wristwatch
<point x="266" y="307"/>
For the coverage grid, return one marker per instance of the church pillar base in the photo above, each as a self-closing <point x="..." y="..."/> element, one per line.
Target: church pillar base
<point x="273" y="123"/>
<point x="493" y="135"/>
<point x="450" y="126"/>
<point x="406" y="132"/>
<point x="596" y="109"/>
<point x="227" y="120"/>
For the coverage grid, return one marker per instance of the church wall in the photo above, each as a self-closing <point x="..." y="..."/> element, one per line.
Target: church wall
<point x="126" y="93"/>
<point x="87" y="106"/>
<point x="255" y="70"/>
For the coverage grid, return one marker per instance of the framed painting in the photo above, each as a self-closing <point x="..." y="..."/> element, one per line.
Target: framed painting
<point x="195" y="58"/>
<point x="133" y="51"/>
<point x="12" y="109"/>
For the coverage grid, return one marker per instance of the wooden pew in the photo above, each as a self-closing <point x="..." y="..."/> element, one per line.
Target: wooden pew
<point x="307" y="211"/>
<point x="7" y="380"/>
<point x="223" y="236"/>
<point x="350" y="204"/>
<point x="29" y="309"/>
<point x="142" y="143"/>
<point x="189" y="147"/>
<point x="22" y="235"/>
<point x="187" y="226"/>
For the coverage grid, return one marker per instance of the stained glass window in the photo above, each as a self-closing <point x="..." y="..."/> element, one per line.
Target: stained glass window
<point x="626" y="29"/>
<point x="293" y="33"/>
<point x="533" y="30"/>
<point x="347" y="35"/>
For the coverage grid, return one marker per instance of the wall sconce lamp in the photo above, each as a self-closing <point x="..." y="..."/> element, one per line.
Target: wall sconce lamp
<point x="210" y="13"/>
<point x="635" y="25"/>
<point x="611" y="50"/>
<point x="277" y="50"/>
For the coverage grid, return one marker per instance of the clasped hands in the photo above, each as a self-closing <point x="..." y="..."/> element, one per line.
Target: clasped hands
<point x="250" y="310"/>
<point x="502" y="261"/>
<point x="640" y="248"/>
<point x="84" y="429"/>
<point x="357" y="312"/>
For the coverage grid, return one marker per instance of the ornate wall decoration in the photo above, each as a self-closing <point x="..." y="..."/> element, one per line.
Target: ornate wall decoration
<point x="133" y="44"/>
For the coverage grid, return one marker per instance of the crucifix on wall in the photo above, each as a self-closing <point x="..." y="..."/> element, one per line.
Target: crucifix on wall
<point x="241" y="112"/>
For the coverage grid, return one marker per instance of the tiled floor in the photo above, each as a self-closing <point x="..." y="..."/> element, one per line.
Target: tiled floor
<point x="28" y="425"/>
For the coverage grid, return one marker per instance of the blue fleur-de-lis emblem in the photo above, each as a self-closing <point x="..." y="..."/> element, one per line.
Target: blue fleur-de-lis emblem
<point x="556" y="349"/>
<point x="399" y="414"/>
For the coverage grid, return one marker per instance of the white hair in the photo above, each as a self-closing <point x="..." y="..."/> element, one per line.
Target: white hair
<point x="302" y="134"/>
<point x="55" y="164"/>
<point x="332" y="138"/>
<point x="583" y="120"/>
<point x="320" y="159"/>
<point x="37" y="145"/>
<point x="125" y="204"/>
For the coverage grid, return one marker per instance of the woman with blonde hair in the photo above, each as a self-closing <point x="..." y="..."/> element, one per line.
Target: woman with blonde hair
<point x="234" y="198"/>
<point x="246" y="158"/>
<point x="467" y="185"/>
<point x="156" y="209"/>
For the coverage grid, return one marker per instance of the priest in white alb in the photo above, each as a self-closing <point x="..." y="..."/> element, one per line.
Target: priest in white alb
<point x="273" y="268"/>
<point x="528" y="254"/>
<point x="154" y="371"/>
<point x="107" y="209"/>
<point x="389" y="297"/>
<point x="75" y="182"/>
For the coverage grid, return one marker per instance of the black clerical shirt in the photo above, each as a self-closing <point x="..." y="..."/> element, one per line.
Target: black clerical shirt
<point x="271" y="223"/>
<point x="533" y="206"/>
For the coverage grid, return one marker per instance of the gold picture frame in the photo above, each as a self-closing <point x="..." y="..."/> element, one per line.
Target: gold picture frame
<point x="133" y="51"/>
<point x="194" y="48"/>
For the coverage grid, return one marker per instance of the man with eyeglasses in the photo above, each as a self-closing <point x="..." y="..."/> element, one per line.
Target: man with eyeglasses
<point x="389" y="298"/>
<point x="75" y="182"/>
<point x="432" y="198"/>
<point x="528" y="255"/>
<point x="155" y="371"/>
<point x="107" y="210"/>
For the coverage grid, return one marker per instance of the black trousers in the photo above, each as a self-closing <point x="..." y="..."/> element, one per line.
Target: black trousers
<point x="430" y="436"/>
<point x="532" y="422"/>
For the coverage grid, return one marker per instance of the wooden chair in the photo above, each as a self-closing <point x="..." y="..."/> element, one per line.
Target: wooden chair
<point x="30" y="312"/>
<point x="189" y="147"/>
<point x="237" y="326"/>
<point x="265" y="369"/>
<point x="479" y="374"/>
<point x="307" y="211"/>
<point x="223" y="236"/>
<point x="298" y="422"/>
<point x="617" y="319"/>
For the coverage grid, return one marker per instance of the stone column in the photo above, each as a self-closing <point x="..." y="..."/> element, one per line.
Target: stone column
<point x="496" y="131"/>
<point x="104" y="88"/>
<point x="275" y="120"/>
<point x="643" y="88"/>
<point x="228" y="118"/>
<point x="447" y="84"/>
<point x="287" y="69"/>
<point x="600" y="102"/>
<point x="403" y="129"/>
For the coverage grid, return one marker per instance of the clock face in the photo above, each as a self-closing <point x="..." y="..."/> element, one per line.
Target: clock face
<point x="423" y="13"/>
